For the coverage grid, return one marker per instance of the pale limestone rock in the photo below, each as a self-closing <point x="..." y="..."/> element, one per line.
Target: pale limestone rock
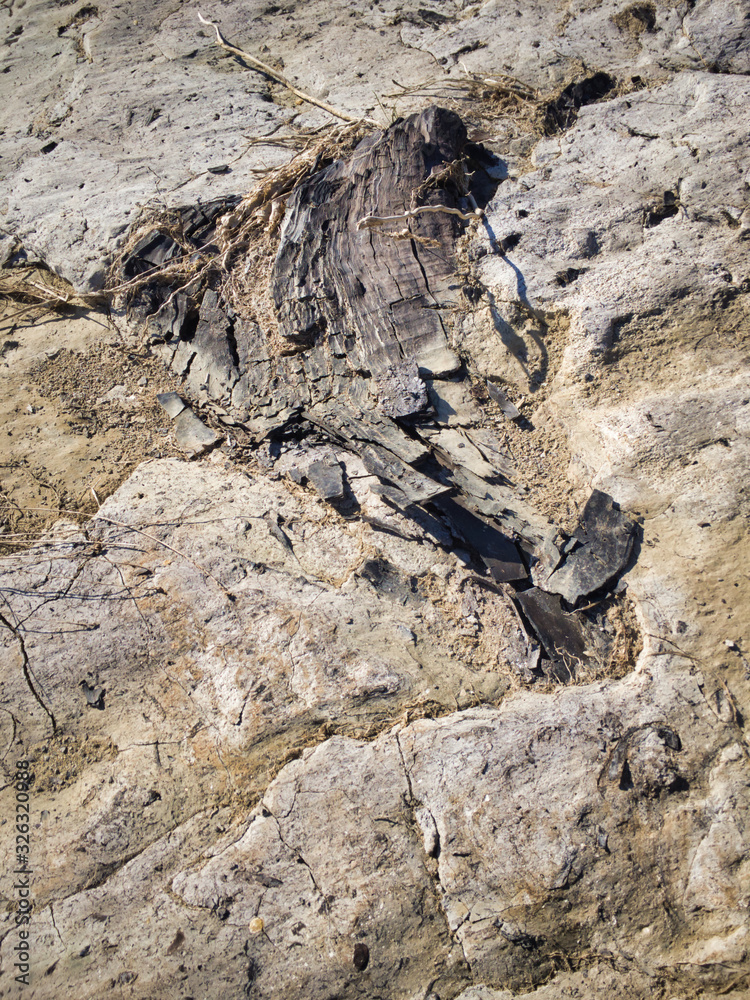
<point x="587" y="206"/>
<point x="474" y="853"/>
<point x="533" y="842"/>
<point x="212" y="630"/>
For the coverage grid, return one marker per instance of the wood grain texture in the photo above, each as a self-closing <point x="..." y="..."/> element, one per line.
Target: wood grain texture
<point x="377" y="298"/>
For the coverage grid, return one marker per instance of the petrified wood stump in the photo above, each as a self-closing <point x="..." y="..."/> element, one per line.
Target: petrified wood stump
<point x="364" y="312"/>
<point x="377" y="296"/>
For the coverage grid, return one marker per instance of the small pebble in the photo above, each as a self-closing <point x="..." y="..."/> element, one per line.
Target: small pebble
<point x="256" y="925"/>
<point x="361" y="956"/>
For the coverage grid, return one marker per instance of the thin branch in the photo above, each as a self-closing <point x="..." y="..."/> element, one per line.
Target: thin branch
<point x="373" y="221"/>
<point x="262" y="67"/>
<point x="507" y="84"/>
<point x="28" y="673"/>
<point x="43" y="304"/>
<point x="98" y="516"/>
<point x="201" y="569"/>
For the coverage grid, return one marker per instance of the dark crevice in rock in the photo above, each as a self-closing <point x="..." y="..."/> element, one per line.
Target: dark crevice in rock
<point x="561" y="113"/>
<point x="654" y="214"/>
<point x="28" y="673"/>
<point x="569" y="275"/>
<point x="423" y="823"/>
<point x="80" y="17"/>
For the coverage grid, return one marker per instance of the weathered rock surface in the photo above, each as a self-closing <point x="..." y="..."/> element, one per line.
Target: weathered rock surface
<point x="296" y="615"/>
<point x="626" y="214"/>
<point x="465" y="834"/>
<point x="326" y="689"/>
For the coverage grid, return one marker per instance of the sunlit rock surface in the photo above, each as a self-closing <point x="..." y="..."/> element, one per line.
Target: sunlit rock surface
<point x="273" y="712"/>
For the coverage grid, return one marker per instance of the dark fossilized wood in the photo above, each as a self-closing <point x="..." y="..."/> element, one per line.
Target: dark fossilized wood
<point x="496" y="393"/>
<point x="399" y="390"/>
<point x="327" y="478"/>
<point x="361" y="427"/>
<point x="575" y="643"/>
<point x="497" y="551"/>
<point x="601" y="549"/>
<point x="386" y="451"/>
<point x="378" y="299"/>
<point x="154" y="306"/>
<point x="562" y="635"/>
<point x="516" y="516"/>
<point x="208" y="358"/>
<point x="365" y="314"/>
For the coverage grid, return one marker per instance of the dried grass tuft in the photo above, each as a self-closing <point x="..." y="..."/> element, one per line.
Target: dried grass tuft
<point x="248" y="236"/>
<point x="36" y="291"/>
<point x="239" y="261"/>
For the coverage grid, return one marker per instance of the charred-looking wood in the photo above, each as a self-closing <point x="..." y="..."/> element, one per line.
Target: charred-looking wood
<point x="187" y="230"/>
<point x="364" y="287"/>
<point x="378" y="295"/>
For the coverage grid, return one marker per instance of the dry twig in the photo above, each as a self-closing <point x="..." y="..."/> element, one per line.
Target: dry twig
<point x="373" y="221"/>
<point x="98" y="516"/>
<point x="262" y="67"/>
<point x="131" y="527"/>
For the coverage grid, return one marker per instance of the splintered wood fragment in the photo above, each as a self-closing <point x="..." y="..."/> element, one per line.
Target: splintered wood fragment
<point x="414" y="486"/>
<point x="262" y="67"/>
<point x="354" y="428"/>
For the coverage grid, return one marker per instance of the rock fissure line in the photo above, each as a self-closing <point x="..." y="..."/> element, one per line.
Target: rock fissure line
<point x="298" y="856"/>
<point x="54" y="924"/>
<point x="27" y="671"/>
<point x="432" y="870"/>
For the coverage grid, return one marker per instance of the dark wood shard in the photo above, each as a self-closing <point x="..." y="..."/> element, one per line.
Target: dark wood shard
<point x="562" y="635"/>
<point x="516" y="517"/>
<point x="154" y="306"/>
<point x="507" y="408"/>
<point x="496" y="550"/>
<point x="350" y="426"/>
<point x="386" y="451"/>
<point x="327" y="478"/>
<point x="376" y="295"/>
<point x="602" y="547"/>
<point x="208" y="359"/>
<point x="413" y="486"/>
